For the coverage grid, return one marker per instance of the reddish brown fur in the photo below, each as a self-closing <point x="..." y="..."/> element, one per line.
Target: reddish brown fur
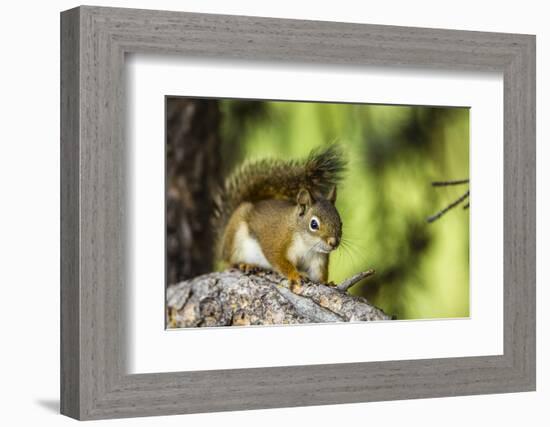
<point x="265" y="202"/>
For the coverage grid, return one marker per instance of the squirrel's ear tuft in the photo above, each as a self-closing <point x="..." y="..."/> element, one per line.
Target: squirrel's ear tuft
<point x="331" y="197"/>
<point x="304" y="200"/>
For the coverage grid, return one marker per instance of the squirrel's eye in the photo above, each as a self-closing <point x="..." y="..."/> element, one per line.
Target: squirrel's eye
<point x="314" y="224"/>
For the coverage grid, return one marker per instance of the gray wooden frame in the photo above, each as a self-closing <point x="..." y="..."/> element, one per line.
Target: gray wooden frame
<point x="94" y="41"/>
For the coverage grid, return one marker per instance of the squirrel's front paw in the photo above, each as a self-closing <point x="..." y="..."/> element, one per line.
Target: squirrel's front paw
<point x="295" y="283"/>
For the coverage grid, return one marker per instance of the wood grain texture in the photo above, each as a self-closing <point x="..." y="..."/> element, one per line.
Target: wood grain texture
<point x="70" y="292"/>
<point x="94" y="266"/>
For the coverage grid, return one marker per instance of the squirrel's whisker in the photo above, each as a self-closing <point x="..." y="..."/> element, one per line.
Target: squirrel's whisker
<point x="353" y="253"/>
<point x="354" y="245"/>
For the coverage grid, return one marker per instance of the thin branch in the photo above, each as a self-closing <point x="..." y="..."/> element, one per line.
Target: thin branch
<point x="348" y="283"/>
<point x="466" y="206"/>
<point x="448" y="208"/>
<point x="447" y="183"/>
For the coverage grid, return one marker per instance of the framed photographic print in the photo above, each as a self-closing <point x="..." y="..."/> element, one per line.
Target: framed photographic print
<point x="276" y="213"/>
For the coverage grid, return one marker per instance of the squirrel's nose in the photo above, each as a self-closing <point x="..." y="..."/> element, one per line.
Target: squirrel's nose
<point x="332" y="241"/>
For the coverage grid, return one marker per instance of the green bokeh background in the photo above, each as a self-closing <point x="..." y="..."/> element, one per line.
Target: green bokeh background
<point x="394" y="153"/>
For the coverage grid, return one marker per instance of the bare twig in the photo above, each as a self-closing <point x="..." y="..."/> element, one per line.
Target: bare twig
<point x="449" y="207"/>
<point x="447" y="183"/>
<point x="348" y="283"/>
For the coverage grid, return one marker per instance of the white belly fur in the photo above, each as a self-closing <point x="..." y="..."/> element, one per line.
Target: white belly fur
<point x="247" y="250"/>
<point x="300" y="254"/>
<point x="316" y="265"/>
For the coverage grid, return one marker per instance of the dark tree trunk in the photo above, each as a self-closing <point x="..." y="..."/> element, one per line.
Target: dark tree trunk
<point x="192" y="173"/>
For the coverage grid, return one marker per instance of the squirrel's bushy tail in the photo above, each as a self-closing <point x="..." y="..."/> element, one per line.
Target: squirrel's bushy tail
<point x="279" y="179"/>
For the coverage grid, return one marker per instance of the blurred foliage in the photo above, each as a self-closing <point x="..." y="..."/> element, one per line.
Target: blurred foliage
<point x="394" y="153"/>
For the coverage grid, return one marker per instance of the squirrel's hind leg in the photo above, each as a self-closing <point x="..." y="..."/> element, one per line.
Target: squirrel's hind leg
<point x="247" y="268"/>
<point x="240" y="248"/>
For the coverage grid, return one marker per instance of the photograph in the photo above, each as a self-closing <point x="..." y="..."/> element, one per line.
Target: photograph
<point x="293" y="212"/>
<point x="253" y="211"/>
